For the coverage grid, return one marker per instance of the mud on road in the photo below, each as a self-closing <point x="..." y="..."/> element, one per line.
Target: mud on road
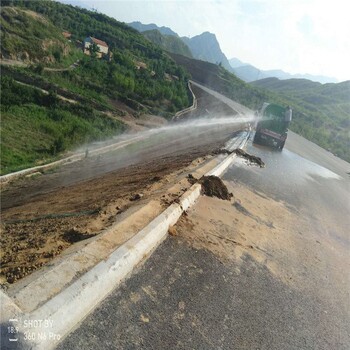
<point x="43" y="216"/>
<point x="40" y="218"/>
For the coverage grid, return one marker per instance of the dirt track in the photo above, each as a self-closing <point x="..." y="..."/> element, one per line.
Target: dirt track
<point x="44" y="215"/>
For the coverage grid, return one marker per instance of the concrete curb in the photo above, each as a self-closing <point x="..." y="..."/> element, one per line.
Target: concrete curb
<point x="65" y="310"/>
<point x="75" y="302"/>
<point x="220" y="168"/>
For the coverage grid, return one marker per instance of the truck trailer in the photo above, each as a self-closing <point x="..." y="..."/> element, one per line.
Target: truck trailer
<point x="272" y="125"/>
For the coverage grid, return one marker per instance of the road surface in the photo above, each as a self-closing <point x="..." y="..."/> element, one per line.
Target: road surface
<point x="268" y="270"/>
<point x="87" y="196"/>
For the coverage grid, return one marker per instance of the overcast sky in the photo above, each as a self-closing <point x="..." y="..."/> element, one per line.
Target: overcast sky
<point x="297" y="36"/>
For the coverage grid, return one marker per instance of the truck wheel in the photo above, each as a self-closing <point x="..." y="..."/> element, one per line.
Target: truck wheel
<point x="281" y="145"/>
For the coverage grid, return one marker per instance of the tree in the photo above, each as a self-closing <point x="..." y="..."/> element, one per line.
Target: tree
<point x="94" y="49"/>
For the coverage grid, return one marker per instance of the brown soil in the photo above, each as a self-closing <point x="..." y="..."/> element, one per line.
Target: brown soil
<point x="42" y="216"/>
<point x="250" y="224"/>
<point x="243" y="154"/>
<point x="39" y="223"/>
<point x="250" y="158"/>
<point x="287" y="242"/>
<point x="213" y="186"/>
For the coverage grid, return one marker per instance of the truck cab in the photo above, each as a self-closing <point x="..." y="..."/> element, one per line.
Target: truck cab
<point x="272" y="126"/>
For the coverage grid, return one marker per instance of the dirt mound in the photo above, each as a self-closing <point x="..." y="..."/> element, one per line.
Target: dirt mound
<point x="73" y="236"/>
<point x="251" y="159"/>
<point x="213" y="186"/>
<point x="220" y="151"/>
<point x="243" y="154"/>
<point x="191" y="179"/>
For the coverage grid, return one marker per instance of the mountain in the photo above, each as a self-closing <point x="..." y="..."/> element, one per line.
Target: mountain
<point x="235" y="62"/>
<point x="280" y="74"/>
<point x="205" y="47"/>
<point x="169" y="43"/>
<point x="248" y="73"/>
<point x="145" y="27"/>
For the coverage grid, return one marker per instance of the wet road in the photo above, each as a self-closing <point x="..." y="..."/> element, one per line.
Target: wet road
<point x="279" y="281"/>
<point x="301" y="181"/>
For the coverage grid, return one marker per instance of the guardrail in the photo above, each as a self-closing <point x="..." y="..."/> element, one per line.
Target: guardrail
<point x="4" y="179"/>
<point x="178" y="115"/>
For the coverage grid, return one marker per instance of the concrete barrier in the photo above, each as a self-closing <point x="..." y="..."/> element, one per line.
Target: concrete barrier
<point x="179" y="114"/>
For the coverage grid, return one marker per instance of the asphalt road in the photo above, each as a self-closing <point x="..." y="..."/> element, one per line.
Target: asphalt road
<point x="188" y="297"/>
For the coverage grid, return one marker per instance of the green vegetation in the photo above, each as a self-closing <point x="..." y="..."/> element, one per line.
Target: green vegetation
<point x="219" y="79"/>
<point x="140" y="74"/>
<point x="324" y="110"/>
<point x="321" y="115"/>
<point x="169" y="43"/>
<point x="28" y="36"/>
<point x="36" y="126"/>
<point x="158" y="86"/>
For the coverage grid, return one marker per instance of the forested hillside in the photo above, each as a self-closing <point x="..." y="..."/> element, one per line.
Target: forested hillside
<point x="168" y="42"/>
<point x="139" y="74"/>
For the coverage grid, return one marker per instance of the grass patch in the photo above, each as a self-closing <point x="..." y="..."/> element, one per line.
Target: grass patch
<point x="37" y="128"/>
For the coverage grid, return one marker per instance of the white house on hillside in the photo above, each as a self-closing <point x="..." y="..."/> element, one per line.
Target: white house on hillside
<point x="102" y="46"/>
